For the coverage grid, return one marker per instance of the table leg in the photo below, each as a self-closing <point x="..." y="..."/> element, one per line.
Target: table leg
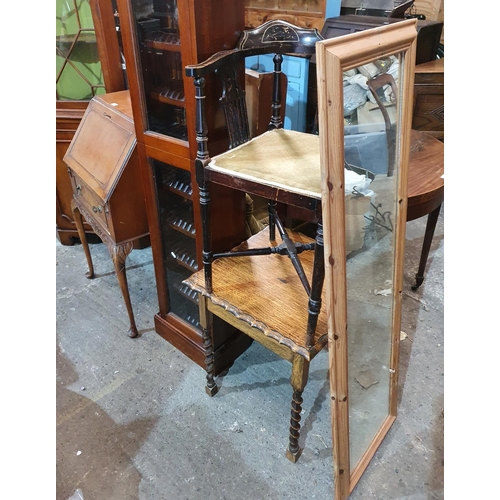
<point x="298" y="380"/>
<point x="77" y="216"/>
<point x="317" y="281"/>
<point x="119" y="255"/>
<point x="432" y="219"/>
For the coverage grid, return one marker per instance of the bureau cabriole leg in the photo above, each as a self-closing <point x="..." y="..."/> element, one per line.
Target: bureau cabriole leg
<point x="77" y="216"/>
<point x="119" y="255"/>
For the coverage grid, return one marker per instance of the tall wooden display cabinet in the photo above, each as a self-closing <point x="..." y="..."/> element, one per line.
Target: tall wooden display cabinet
<point x="161" y="37"/>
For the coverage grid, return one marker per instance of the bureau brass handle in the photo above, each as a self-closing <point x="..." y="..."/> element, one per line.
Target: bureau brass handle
<point x="78" y="189"/>
<point x="97" y="209"/>
<point x="107" y="116"/>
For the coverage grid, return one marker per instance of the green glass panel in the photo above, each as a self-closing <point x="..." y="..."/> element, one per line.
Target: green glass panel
<point x="59" y="64"/>
<point x="81" y="76"/>
<point x="66" y="18"/>
<point x="85" y="49"/>
<point x="67" y="26"/>
<point x="71" y="86"/>
<point x="64" y="43"/>
<point x="85" y="14"/>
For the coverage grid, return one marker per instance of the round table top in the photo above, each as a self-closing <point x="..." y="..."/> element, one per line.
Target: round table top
<point x="252" y="167"/>
<point x="426" y="174"/>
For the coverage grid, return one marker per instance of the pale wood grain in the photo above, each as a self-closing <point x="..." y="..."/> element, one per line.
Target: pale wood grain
<point x="333" y="57"/>
<point x="265" y="293"/>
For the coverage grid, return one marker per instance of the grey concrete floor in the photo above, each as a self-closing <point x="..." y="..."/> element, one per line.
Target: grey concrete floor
<point x="134" y="422"/>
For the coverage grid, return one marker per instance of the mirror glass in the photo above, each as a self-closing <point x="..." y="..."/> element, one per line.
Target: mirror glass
<point x="371" y="176"/>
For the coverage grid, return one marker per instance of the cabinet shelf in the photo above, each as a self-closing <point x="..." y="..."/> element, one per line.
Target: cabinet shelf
<point x="193" y="321"/>
<point x="181" y="188"/>
<point x="172" y="94"/>
<point x="177" y="130"/>
<point x="182" y="220"/>
<point x="187" y="292"/>
<point x="159" y="40"/>
<point x="183" y="257"/>
<point x="178" y="182"/>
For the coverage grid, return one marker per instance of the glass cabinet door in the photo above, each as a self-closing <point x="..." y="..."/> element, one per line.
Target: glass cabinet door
<point x="157" y="26"/>
<point x="79" y="73"/>
<point x="175" y="202"/>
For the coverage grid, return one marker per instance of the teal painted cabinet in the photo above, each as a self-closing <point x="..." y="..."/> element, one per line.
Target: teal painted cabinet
<point x="297" y="71"/>
<point x="295" y="68"/>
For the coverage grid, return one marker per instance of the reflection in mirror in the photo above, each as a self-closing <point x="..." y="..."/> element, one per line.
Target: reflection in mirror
<point x="370" y="126"/>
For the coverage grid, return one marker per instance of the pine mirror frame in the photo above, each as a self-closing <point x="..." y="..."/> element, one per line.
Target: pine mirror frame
<point x="333" y="57"/>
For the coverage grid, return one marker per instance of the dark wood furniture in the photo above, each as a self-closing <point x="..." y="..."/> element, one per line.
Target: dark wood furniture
<point x="428" y="32"/>
<point x="261" y="287"/>
<point x="104" y="49"/>
<point x="159" y="39"/>
<point x="249" y="286"/>
<point x="428" y="98"/>
<point x="107" y="186"/>
<point x="425" y="189"/>
<point x="68" y="116"/>
<point x="428" y="38"/>
<point x="426" y="172"/>
<point x="400" y="11"/>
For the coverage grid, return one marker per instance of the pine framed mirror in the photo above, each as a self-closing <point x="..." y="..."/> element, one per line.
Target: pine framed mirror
<point x="365" y="95"/>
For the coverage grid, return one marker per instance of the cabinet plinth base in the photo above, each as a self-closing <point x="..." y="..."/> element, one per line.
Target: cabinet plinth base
<point x="225" y="355"/>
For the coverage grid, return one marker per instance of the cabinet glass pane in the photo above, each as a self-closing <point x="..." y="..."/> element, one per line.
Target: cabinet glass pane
<point x="78" y="68"/>
<point x="161" y="66"/>
<point x="179" y="244"/>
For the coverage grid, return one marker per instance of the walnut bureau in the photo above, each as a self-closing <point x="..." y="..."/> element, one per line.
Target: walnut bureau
<point x="107" y="186"/>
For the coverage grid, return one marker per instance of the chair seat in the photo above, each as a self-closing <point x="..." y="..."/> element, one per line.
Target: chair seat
<point x="254" y="163"/>
<point x="252" y="288"/>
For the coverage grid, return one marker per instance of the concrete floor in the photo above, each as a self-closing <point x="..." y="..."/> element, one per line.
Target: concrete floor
<point x="134" y="422"/>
